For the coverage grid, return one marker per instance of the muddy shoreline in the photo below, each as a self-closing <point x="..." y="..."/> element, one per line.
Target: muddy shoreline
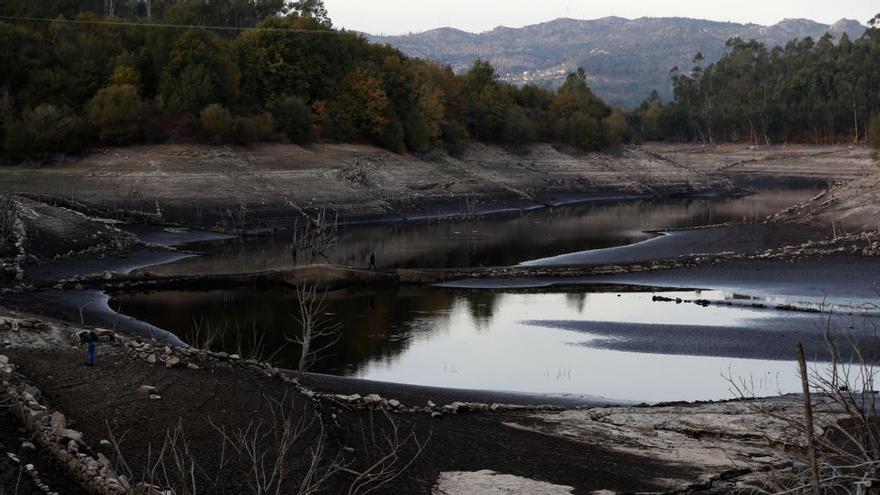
<point x="76" y="255"/>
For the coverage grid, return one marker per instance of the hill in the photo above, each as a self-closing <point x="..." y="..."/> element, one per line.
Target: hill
<point x="624" y="59"/>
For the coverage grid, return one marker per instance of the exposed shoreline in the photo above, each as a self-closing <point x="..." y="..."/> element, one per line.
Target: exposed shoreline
<point x="79" y="281"/>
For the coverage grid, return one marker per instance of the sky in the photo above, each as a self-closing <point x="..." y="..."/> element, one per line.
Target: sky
<point x="405" y="16"/>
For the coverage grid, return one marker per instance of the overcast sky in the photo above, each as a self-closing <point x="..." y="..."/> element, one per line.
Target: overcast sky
<point x="404" y="16"/>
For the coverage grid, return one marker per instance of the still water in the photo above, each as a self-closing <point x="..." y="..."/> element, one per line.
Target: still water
<point x="499" y="340"/>
<point x="500" y="241"/>
<point x="496" y="341"/>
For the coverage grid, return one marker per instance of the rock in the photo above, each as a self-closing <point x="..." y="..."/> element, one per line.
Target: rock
<point x="436" y="415"/>
<point x="28" y="446"/>
<point x="193" y="366"/>
<point x="431" y="404"/>
<point x="151" y="359"/>
<point x="105" y="443"/>
<point x="172" y="361"/>
<point x="4" y="359"/>
<point x="73" y="447"/>
<point x="373" y="398"/>
<point x="155" y="397"/>
<point x="149" y="389"/>
<point x="58" y="421"/>
<point x="394" y="403"/>
<point x="235" y="357"/>
<point x="69" y="434"/>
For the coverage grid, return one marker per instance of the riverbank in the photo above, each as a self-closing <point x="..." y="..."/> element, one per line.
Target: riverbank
<point x="139" y="391"/>
<point x="78" y="247"/>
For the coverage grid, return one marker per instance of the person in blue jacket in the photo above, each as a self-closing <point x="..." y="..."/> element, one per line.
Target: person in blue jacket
<point x="90" y="338"/>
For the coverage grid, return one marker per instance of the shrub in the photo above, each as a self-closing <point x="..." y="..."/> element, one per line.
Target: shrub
<point x="115" y="113"/>
<point x="617" y="130"/>
<point x="455" y="136"/>
<point x="44" y="131"/>
<point x="217" y="124"/>
<point x="293" y="118"/>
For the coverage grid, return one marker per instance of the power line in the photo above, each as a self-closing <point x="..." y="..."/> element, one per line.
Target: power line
<point x="173" y="26"/>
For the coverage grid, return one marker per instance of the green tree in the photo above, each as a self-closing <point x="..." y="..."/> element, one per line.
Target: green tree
<point x="44" y="131"/>
<point x="115" y="113"/>
<point x="293" y="118"/>
<point x="217" y="123"/>
<point x="199" y="72"/>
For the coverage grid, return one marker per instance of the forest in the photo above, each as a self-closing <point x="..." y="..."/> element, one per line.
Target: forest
<point x="820" y="92"/>
<point x="81" y="73"/>
<point x="76" y="74"/>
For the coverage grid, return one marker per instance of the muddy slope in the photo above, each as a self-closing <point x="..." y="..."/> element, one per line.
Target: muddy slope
<point x="277" y="183"/>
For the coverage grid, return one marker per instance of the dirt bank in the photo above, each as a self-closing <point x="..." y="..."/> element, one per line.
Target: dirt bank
<point x="197" y="185"/>
<point x="711" y="448"/>
<point x="744" y="164"/>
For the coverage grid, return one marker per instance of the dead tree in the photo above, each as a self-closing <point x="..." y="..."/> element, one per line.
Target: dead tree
<point x="847" y="449"/>
<point x="389" y="454"/>
<point x="316" y="334"/>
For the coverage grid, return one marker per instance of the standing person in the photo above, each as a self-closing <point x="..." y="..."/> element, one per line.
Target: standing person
<point x="90" y="338"/>
<point x="372" y="261"/>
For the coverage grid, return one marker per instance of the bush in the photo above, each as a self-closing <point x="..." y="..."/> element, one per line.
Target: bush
<point x="617" y="130"/>
<point x="584" y="132"/>
<point x="44" y="131"/>
<point x="874" y="137"/>
<point x="115" y="113"/>
<point x="293" y="118"/>
<point x="253" y="128"/>
<point x="217" y="124"/>
<point x="455" y="136"/>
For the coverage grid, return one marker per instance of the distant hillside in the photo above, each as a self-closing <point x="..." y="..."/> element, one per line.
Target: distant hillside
<point x="624" y="59"/>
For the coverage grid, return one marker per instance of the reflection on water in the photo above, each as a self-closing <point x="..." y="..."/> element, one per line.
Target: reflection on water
<point x="484" y="340"/>
<point x="501" y="241"/>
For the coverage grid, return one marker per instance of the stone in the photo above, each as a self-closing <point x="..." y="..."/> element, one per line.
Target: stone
<point x="193" y="366"/>
<point x="105" y="443"/>
<point x="73" y="447"/>
<point x="151" y="359"/>
<point x="58" y="421"/>
<point x="155" y="397"/>
<point x="394" y="403"/>
<point x="436" y="415"/>
<point x="147" y="389"/>
<point x="172" y="361"/>
<point x="69" y="434"/>
<point x="28" y="446"/>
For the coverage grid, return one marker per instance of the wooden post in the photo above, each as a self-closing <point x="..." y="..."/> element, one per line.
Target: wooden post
<point x="808" y="419"/>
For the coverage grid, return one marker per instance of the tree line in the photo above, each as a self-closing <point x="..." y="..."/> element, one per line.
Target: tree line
<point x="825" y="91"/>
<point x="119" y="72"/>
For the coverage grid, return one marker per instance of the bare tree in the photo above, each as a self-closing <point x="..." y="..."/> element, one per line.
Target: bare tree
<point x="390" y="454"/>
<point x="316" y="333"/>
<point x="847" y="447"/>
<point x="270" y="447"/>
<point x="319" y="237"/>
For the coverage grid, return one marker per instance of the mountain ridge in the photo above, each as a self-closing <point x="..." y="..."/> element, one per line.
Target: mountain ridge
<point x="625" y="59"/>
